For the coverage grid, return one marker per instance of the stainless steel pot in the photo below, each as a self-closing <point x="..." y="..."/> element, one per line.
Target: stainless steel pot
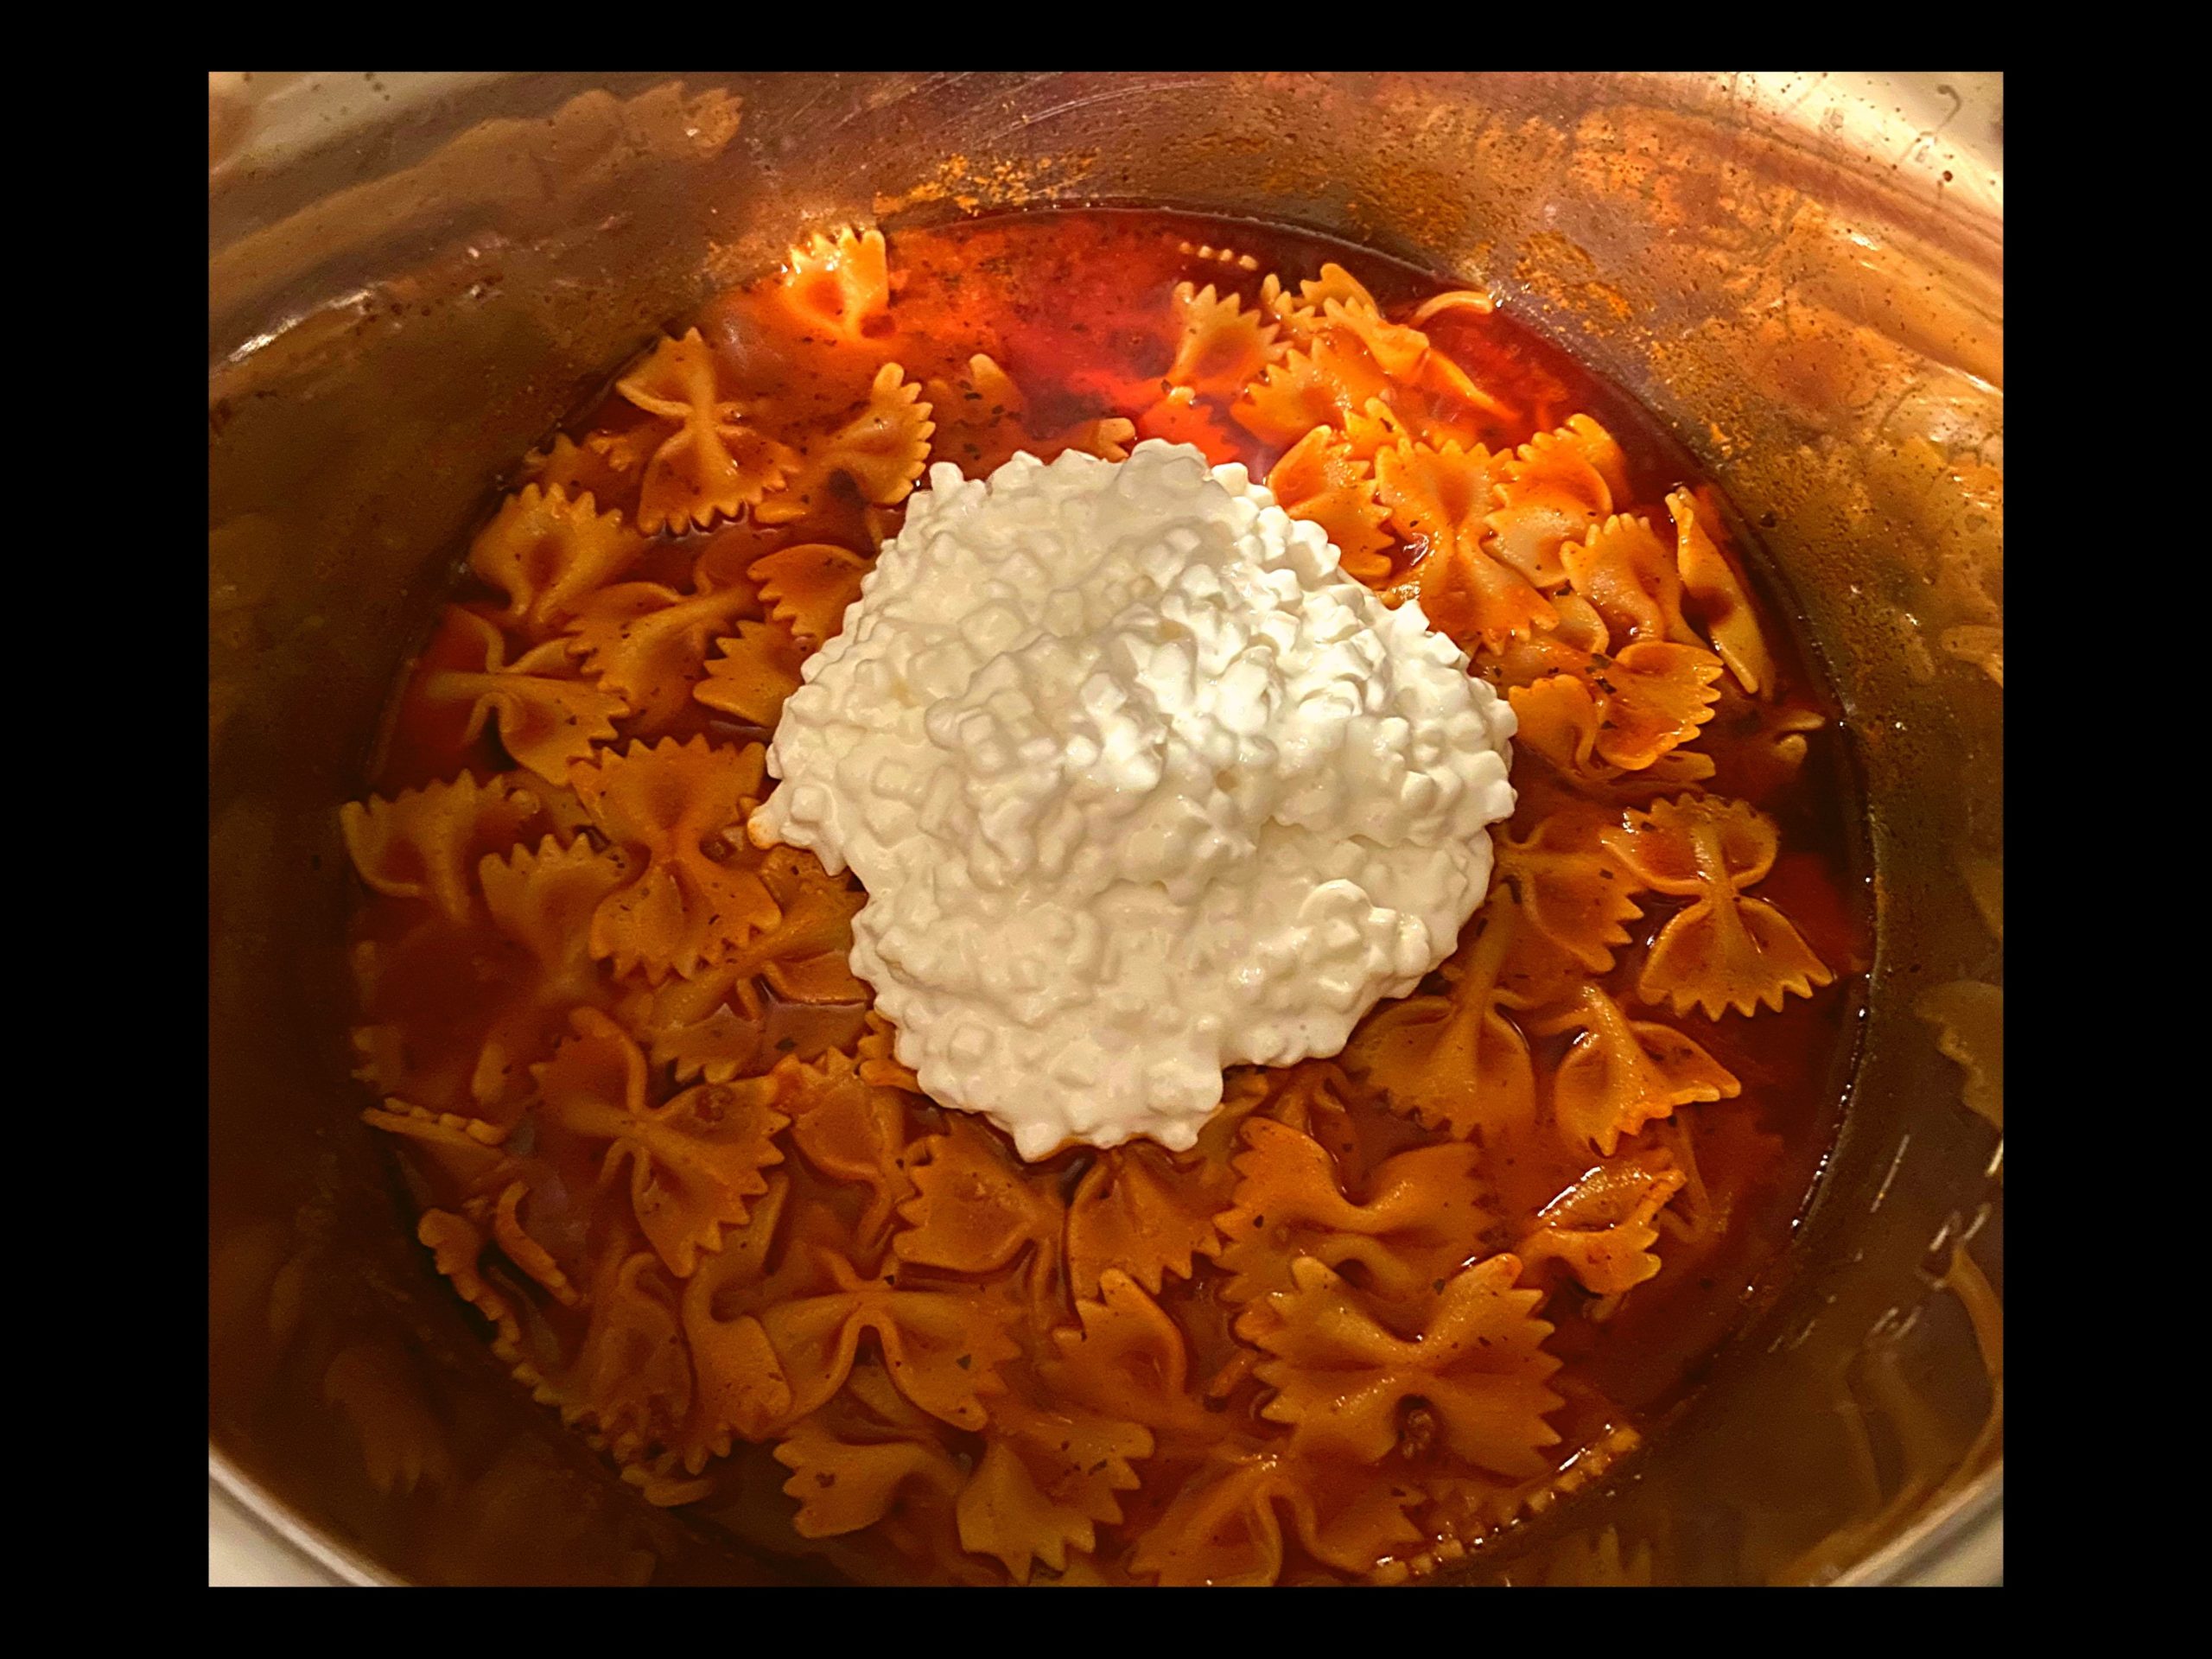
<point x="413" y="278"/>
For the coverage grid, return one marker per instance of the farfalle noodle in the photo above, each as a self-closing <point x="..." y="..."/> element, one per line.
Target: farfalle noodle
<point x="1580" y="898"/>
<point x="803" y="957"/>
<point x="541" y="900"/>
<point x="1724" y="606"/>
<point x="1623" y="713"/>
<point x="838" y="281"/>
<point x="982" y="417"/>
<point x="1558" y="721"/>
<point x="1601" y="1231"/>
<point x="1477" y="1364"/>
<point x="548" y="717"/>
<point x="402" y="1444"/>
<point x="1048" y="1479"/>
<point x="469" y="1152"/>
<point x="1146" y="1212"/>
<point x="740" y="1391"/>
<point x="1628" y="575"/>
<point x="577" y="470"/>
<point x="1374" y="427"/>
<point x="1125" y="1356"/>
<point x="854" y="1132"/>
<point x="548" y="551"/>
<point x="1178" y="416"/>
<point x="631" y="1383"/>
<point x="879" y="453"/>
<point x="1320" y="480"/>
<point x="807" y="586"/>
<point x="941" y="1348"/>
<point x="1307" y="387"/>
<point x="711" y="464"/>
<point x="425" y="843"/>
<point x="679" y="812"/>
<point x="1227" y="1526"/>
<point x="1723" y="951"/>
<point x="1620" y="1073"/>
<point x="542" y="897"/>
<point x="973" y="1210"/>
<point x="535" y="1258"/>
<point x="714" y="1024"/>
<point x="1552" y="491"/>
<point x="866" y="1452"/>
<point x="645" y="642"/>
<point x="1219" y="345"/>
<point x="692" y="1163"/>
<point x="1315" y="1097"/>
<point x="1223" y="256"/>
<point x="757" y="668"/>
<point x="421" y="1044"/>
<point x="1419" y="1220"/>
<point x="1337" y="304"/>
<point x="1652" y="696"/>
<point x="1298" y="309"/>
<point x="1455" y="1061"/>
<point x="710" y="1025"/>
<point x="1440" y="498"/>
<point x="456" y="1247"/>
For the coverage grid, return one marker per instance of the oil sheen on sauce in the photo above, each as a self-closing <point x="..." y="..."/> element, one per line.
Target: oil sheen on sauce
<point x="1070" y="300"/>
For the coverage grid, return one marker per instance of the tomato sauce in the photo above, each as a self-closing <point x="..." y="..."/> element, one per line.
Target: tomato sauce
<point x="1069" y="304"/>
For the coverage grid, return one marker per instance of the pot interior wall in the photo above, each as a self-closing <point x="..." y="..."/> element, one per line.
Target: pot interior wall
<point x="399" y="311"/>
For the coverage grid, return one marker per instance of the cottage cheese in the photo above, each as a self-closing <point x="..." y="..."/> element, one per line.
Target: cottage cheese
<point x="1139" y="785"/>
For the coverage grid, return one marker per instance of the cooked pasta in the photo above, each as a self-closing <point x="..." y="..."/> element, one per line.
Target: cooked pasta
<point x="1391" y="1303"/>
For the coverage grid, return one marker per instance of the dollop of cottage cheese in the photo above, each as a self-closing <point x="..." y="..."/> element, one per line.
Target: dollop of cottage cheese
<point x="1139" y="785"/>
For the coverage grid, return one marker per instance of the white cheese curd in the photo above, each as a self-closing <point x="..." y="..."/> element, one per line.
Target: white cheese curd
<point x="1139" y="785"/>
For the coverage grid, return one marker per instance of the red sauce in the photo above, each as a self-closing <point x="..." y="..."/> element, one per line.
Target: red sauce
<point x="1069" y="304"/>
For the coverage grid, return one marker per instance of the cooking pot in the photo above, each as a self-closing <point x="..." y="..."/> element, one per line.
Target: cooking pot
<point x="413" y="279"/>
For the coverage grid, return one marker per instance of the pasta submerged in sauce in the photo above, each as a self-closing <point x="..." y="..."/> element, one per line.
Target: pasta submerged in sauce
<point x="1392" y="1303"/>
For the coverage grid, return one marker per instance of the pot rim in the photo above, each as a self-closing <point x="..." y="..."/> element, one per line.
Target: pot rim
<point x="1958" y="1540"/>
<point x="311" y="1555"/>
